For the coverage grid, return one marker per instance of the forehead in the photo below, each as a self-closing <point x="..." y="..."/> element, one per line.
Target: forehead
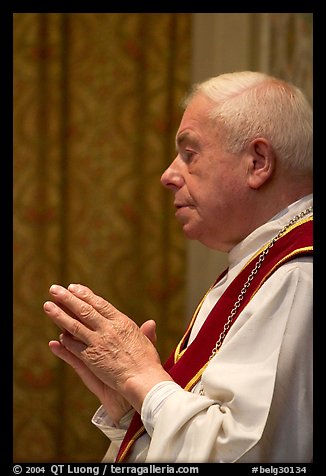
<point x="198" y="108"/>
<point x="195" y="120"/>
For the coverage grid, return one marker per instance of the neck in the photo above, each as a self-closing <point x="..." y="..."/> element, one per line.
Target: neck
<point x="277" y="195"/>
<point x="263" y="209"/>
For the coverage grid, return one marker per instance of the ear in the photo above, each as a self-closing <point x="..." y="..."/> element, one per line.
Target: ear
<point x="261" y="162"/>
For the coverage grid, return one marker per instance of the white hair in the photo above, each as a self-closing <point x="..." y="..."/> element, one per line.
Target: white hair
<point x="250" y="104"/>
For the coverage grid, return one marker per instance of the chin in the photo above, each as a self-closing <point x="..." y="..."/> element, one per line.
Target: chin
<point x="191" y="233"/>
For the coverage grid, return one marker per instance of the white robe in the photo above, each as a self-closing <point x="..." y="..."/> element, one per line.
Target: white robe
<point x="257" y="406"/>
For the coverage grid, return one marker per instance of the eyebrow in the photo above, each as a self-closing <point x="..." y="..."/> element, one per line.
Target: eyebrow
<point x="186" y="137"/>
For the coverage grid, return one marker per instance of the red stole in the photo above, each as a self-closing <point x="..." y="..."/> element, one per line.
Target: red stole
<point x="186" y="364"/>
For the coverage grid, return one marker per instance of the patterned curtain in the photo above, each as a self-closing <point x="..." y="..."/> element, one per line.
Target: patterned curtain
<point x="286" y="48"/>
<point x="96" y="108"/>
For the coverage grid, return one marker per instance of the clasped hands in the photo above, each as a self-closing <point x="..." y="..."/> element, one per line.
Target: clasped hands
<point x="115" y="358"/>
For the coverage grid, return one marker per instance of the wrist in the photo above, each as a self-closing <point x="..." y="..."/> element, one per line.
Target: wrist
<point x="136" y="388"/>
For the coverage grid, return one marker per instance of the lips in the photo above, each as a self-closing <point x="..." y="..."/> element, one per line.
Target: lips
<point x="181" y="205"/>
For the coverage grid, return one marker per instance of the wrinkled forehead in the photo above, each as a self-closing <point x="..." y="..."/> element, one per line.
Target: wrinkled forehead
<point x="196" y="120"/>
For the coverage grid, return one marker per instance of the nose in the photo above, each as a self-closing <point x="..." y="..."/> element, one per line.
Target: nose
<point x="173" y="178"/>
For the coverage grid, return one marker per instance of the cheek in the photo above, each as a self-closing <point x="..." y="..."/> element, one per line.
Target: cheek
<point x="218" y="186"/>
<point x="218" y="198"/>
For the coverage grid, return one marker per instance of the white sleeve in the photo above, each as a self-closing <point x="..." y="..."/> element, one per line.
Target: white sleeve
<point x="154" y="401"/>
<point x="253" y="386"/>
<point x="114" y="433"/>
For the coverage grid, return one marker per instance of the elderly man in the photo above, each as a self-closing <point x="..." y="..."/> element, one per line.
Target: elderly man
<point x="238" y="386"/>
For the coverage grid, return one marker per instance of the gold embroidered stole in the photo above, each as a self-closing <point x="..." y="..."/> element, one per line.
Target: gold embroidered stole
<point x="186" y="364"/>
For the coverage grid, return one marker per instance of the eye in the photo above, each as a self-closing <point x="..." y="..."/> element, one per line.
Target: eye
<point x="187" y="155"/>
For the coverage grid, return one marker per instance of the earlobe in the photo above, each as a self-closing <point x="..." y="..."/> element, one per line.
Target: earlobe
<point x="261" y="163"/>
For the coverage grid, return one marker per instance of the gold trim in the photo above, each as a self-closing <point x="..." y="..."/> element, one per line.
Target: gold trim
<point x="177" y="353"/>
<point x="293" y="253"/>
<point x="295" y="225"/>
<point x="196" y="378"/>
<point x="136" y="435"/>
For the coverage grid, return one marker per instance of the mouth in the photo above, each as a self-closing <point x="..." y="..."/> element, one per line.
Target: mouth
<point x="179" y="208"/>
<point x="181" y="205"/>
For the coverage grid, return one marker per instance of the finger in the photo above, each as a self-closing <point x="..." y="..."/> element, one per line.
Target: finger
<point x="89" y="379"/>
<point x="77" y="307"/>
<point x="64" y="321"/>
<point x="61" y="351"/>
<point x="149" y="330"/>
<point x="67" y="311"/>
<point x="97" y="302"/>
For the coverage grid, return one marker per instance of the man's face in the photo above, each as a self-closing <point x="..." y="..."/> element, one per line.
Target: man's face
<point x="209" y="183"/>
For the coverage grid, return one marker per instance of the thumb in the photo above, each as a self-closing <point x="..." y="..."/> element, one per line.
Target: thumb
<point x="148" y="328"/>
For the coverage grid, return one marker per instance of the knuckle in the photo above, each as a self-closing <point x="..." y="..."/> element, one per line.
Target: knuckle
<point x="85" y="311"/>
<point x="75" y="328"/>
<point x="86" y="292"/>
<point x="103" y="307"/>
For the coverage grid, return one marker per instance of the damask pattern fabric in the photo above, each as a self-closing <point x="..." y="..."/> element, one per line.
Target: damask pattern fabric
<point x="96" y="107"/>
